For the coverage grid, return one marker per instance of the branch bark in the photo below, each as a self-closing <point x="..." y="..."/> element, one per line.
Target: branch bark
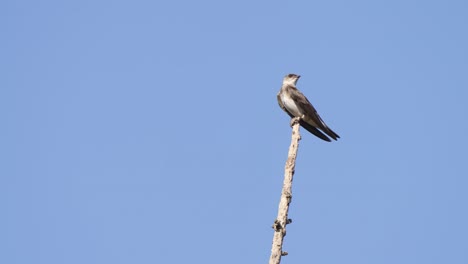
<point x="286" y="195"/>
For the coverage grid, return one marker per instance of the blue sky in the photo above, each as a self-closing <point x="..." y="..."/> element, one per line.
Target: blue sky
<point x="149" y="132"/>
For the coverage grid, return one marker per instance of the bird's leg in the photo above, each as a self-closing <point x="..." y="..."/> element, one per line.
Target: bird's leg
<point x="294" y="120"/>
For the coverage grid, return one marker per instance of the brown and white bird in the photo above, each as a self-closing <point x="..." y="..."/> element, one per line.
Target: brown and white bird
<point x="295" y="104"/>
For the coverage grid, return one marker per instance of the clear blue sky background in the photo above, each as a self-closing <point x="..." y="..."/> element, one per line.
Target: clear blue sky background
<point x="149" y="132"/>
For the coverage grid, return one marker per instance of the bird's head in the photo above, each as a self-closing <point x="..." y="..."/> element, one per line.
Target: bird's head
<point x="291" y="79"/>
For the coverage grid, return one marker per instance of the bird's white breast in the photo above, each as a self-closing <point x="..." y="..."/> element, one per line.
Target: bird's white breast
<point x="290" y="105"/>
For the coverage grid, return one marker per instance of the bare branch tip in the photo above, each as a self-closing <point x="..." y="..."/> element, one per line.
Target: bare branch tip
<point x="294" y="120"/>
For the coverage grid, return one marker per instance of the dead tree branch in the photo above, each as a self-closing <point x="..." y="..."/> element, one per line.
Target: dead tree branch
<point x="286" y="195"/>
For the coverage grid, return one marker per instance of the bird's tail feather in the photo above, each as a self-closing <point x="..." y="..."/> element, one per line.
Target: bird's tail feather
<point x="313" y="130"/>
<point x="332" y="133"/>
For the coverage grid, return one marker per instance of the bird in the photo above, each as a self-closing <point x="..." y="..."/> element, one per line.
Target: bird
<point x="295" y="104"/>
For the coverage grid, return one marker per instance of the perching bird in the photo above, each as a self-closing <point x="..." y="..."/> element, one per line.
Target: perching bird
<point x="295" y="104"/>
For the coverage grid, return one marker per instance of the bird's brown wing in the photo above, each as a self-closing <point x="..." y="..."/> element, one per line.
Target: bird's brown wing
<point x="311" y="115"/>
<point x="313" y="130"/>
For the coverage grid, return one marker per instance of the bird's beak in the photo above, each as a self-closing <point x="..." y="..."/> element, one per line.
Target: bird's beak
<point x="298" y="76"/>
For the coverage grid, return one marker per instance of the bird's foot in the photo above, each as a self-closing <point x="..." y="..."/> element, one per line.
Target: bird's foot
<point x="294" y="120"/>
